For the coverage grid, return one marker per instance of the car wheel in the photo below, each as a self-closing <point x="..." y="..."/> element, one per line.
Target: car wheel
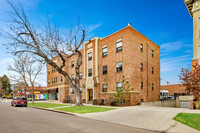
<point x="25" y="105"/>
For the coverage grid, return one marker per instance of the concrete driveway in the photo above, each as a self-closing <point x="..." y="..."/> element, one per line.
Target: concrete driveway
<point x="146" y="117"/>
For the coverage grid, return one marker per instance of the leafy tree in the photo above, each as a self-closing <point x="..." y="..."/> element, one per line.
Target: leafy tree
<point x="123" y="93"/>
<point x="6" y="86"/>
<point x="191" y="79"/>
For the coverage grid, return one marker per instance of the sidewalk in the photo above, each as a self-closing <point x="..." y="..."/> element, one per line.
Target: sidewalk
<point x="151" y="118"/>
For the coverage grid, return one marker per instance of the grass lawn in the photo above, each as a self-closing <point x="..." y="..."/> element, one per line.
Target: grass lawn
<point x="189" y="119"/>
<point x="84" y="109"/>
<point x="46" y="105"/>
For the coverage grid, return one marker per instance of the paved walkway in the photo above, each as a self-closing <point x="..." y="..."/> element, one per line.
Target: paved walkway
<point x="146" y="117"/>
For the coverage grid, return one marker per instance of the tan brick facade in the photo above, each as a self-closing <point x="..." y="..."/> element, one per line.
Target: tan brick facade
<point x="174" y="88"/>
<point x="131" y="57"/>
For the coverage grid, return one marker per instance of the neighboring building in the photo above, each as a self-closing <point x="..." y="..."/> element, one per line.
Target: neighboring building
<point x="193" y="7"/>
<point x="174" y="89"/>
<point x="39" y="92"/>
<point x="105" y="60"/>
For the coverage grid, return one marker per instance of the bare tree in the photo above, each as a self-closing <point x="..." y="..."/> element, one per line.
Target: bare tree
<point x="26" y="71"/>
<point x="45" y="44"/>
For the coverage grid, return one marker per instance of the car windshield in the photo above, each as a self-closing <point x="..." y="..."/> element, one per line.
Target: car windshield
<point x="21" y="98"/>
<point x="24" y="98"/>
<point x="18" y="98"/>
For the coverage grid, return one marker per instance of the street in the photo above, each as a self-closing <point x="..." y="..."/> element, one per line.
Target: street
<point x="29" y="120"/>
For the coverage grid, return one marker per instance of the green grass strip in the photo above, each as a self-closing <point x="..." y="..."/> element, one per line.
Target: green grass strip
<point x="189" y="119"/>
<point x="46" y="105"/>
<point x="84" y="109"/>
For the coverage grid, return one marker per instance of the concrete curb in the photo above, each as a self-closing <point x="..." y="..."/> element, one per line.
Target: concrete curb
<point x="63" y="112"/>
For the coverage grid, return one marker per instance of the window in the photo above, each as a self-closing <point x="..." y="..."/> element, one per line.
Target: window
<point x="141" y="47"/>
<point x="152" y="53"/>
<point x="81" y="90"/>
<point x="152" y="86"/>
<point x="119" y="85"/>
<point x="52" y="81"/>
<point x="90" y="72"/>
<point x="72" y="64"/>
<point x="72" y="76"/>
<point x="199" y="52"/>
<point x="89" y="56"/>
<point x="49" y="71"/>
<point x="142" y="100"/>
<point x="104" y="88"/>
<point x="141" y="67"/>
<point x="61" y="79"/>
<point x="119" y="66"/>
<point x="49" y="81"/>
<point x="56" y="80"/>
<point x="72" y="91"/>
<point x="152" y="71"/>
<point x="52" y="69"/>
<point x="104" y="52"/>
<point x="104" y="69"/>
<point x="80" y="75"/>
<point x="119" y="46"/>
<point x="199" y="27"/>
<point x="141" y="85"/>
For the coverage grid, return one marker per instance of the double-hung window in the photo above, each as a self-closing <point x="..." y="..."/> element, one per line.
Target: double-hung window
<point x="119" y="46"/>
<point x="141" y="85"/>
<point x="72" y="64"/>
<point x="119" y="66"/>
<point x="141" y="47"/>
<point x="89" y="56"/>
<point x="72" y="76"/>
<point x="90" y="72"/>
<point x="104" y="69"/>
<point x="104" y="51"/>
<point x="104" y="88"/>
<point x="119" y="85"/>
<point x="80" y="75"/>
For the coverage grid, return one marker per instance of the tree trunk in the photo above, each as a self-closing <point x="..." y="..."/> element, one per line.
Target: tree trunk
<point x="32" y="94"/>
<point x="78" y="99"/>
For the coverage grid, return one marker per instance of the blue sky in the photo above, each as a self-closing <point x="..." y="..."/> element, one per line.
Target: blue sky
<point x="165" y="22"/>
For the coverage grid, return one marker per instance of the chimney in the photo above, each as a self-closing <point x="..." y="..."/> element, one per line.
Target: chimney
<point x="129" y="24"/>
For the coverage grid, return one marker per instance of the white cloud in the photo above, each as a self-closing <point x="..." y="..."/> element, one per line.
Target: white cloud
<point x="173" y="46"/>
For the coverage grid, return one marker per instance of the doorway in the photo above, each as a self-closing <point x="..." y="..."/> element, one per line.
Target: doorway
<point x="90" y="95"/>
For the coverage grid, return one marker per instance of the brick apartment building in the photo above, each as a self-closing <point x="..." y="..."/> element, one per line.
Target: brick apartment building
<point x="105" y="60"/>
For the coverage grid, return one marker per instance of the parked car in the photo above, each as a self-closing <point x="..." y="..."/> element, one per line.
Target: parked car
<point x="19" y="101"/>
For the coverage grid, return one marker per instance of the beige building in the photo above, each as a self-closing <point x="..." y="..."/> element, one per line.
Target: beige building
<point x="105" y="61"/>
<point x="193" y="7"/>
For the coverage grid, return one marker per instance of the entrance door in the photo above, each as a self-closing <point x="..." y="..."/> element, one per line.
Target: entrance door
<point x="90" y="95"/>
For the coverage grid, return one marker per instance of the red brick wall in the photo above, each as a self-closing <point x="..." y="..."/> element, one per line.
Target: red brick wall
<point x="175" y="88"/>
